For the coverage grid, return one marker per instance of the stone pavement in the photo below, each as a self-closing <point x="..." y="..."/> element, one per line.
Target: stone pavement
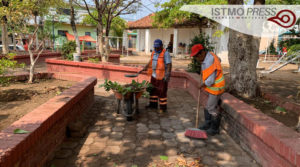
<point x="112" y="141"/>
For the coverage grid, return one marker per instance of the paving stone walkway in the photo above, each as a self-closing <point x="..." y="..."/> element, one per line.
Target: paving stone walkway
<point x="111" y="141"/>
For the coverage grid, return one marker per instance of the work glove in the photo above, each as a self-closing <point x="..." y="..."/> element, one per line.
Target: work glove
<point x="167" y="77"/>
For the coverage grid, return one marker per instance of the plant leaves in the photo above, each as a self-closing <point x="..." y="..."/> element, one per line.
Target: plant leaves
<point x="134" y="166"/>
<point x="280" y="109"/>
<point x="163" y="157"/>
<point x="20" y="131"/>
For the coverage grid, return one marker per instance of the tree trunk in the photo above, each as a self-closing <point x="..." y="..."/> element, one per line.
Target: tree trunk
<point x="31" y="73"/>
<point x="73" y="25"/>
<point x="97" y="43"/>
<point x="14" y="41"/>
<point x="100" y="42"/>
<point x="4" y="38"/>
<point x="243" y="53"/>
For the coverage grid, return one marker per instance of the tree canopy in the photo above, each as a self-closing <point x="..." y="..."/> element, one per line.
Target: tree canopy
<point x="117" y="26"/>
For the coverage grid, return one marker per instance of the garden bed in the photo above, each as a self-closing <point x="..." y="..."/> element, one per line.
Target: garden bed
<point x="51" y="120"/>
<point x="289" y="119"/>
<point x="20" y="98"/>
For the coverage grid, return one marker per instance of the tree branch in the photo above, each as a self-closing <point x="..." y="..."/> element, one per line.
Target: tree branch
<point x="87" y="8"/>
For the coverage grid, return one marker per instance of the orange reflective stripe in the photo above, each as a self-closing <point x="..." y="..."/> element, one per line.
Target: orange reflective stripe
<point x="153" y="96"/>
<point x="163" y="98"/>
<point x="163" y="103"/>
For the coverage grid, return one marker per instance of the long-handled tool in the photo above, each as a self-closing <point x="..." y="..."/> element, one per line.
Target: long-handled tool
<point x="194" y="132"/>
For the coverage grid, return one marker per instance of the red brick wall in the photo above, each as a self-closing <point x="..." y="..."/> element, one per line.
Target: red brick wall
<point x="267" y="140"/>
<point x="46" y="124"/>
<point x="26" y="58"/>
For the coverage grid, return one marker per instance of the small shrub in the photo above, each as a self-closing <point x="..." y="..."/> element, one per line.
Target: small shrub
<point x="67" y="50"/>
<point x="7" y="63"/>
<point x="272" y="49"/>
<point x="94" y="60"/>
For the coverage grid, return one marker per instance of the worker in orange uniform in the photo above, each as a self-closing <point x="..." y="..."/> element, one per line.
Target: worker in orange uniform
<point x="159" y="68"/>
<point x="213" y="84"/>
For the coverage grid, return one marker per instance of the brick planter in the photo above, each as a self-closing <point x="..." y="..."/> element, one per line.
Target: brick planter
<point x="46" y="124"/>
<point x="26" y="58"/>
<point x="267" y="140"/>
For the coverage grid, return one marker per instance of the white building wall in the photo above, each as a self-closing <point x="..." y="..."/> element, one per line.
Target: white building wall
<point x="162" y="34"/>
<point x="185" y="35"/>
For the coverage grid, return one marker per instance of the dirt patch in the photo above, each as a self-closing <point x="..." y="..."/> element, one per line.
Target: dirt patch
<point x="20" y="98"/>
<point x="289" y="119"/>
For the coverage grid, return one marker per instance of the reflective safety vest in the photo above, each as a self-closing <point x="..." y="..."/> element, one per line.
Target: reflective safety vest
<point x="219" y="86"/>
<point x="160" y="67"/>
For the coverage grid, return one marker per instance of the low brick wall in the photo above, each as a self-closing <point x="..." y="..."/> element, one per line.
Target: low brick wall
<point x="26" y="58"/>
<point x="47" y="124"/>
<point x="267" y="140"/>
<point x="280" y="101"/>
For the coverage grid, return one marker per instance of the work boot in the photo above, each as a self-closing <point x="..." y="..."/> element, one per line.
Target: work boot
<point x="215" y="125"/>
<point x="207" y="122"/>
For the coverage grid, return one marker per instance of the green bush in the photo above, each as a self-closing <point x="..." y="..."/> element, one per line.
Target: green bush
<point x="272" y="49"/>
<point x="203" y="39"/>
<point x="7" y="63"/>
<point x="94" y="60"/>
<point x="293" y="51"/>
<point x="67" y="50"/>
<point x="288" y="43"/>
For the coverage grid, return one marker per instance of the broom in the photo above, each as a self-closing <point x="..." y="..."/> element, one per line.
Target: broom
<point x="195" y="132"/>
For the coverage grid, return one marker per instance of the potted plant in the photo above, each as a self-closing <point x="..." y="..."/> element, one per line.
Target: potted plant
<point x="125" y="91"/>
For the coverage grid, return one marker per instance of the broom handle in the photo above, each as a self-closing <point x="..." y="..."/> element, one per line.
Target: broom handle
<point x="198" y="105"/>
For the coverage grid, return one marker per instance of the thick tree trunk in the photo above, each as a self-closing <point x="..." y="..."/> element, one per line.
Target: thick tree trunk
<point x="243" y="56"/>
<point x="73" y="25"/>
<point x="4" y="38"/>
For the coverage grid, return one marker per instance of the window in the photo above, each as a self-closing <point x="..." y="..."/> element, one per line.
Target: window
<point x="89" y="44"/>
<point x="62" y="33"/>
<point x="88" y="33"/>
<point x="62" y="11"/>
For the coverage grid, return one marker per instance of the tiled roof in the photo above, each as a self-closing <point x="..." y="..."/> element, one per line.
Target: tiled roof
<point x="145" y="22"/>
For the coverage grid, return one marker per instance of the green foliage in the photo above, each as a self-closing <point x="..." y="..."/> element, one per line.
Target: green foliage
<point x="288" y="43"/>
<point x="293" y="49"/>
<point x="163" y="157"/>
<point x="93" y="60"/>
<point x="117" y="25"/>
<point x="203" y="39"/>
<point x="170" y="13"/>
<point x="7" y="63"/>
<point x="272" y="49"/>
<point x="68" y="48"/>
<point x="124" y="89"/>
<point x="20" y="131"/>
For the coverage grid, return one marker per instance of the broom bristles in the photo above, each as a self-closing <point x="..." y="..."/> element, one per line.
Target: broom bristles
<point x="195" y="133"/>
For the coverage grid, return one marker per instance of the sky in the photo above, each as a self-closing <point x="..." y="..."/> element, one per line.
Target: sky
<point x="148" y="6"/>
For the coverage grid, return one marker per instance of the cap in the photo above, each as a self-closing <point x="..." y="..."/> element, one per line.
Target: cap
<point x="195" y="49"/>
<point x="157" y="43"/>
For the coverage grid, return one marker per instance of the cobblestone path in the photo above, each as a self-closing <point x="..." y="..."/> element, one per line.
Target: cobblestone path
<point x="111" y="141"/>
